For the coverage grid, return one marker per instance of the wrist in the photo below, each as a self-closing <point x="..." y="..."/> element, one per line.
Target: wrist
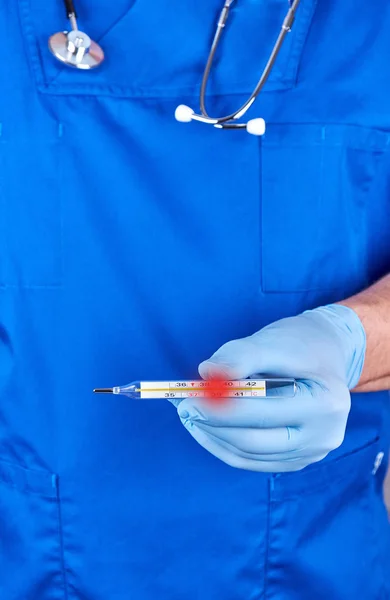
<point x="351" y="337"/>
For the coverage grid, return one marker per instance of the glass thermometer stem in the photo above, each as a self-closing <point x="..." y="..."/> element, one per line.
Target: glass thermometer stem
<point x="247" y="388"/>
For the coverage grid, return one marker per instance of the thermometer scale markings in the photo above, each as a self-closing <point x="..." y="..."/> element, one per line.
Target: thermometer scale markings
<point x="181" y="389"/>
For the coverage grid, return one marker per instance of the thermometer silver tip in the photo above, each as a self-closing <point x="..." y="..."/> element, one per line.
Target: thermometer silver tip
<point x="103" y="391"/>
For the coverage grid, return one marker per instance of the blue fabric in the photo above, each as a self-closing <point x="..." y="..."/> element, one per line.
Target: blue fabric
<point x="132" y="247"/>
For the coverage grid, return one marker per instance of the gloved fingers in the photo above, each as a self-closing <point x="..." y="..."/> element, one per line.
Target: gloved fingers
<point x="272" y="351"/>
<point x="234" y="360"/>
<point x="241" y="460"/>
<point x="299" y="453"/>
<point x="281" y="440"/>
<point x="258" y="413"/>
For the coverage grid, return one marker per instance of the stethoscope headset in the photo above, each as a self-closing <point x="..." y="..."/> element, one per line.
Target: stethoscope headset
<point x="75" y="48"/>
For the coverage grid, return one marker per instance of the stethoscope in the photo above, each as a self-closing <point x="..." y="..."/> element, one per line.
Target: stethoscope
<point x="76" y="49"/>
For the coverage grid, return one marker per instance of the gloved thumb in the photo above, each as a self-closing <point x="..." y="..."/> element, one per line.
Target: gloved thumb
<point x="234" y="360"/>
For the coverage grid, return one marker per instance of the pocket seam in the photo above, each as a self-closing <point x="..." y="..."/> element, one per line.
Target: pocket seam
<point x="28" y="481"/>
<point x="31" y="279"/>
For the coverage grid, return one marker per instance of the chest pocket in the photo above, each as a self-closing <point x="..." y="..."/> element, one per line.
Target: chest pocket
<point x="158" y="49"/>
<point x="317" y="198"/>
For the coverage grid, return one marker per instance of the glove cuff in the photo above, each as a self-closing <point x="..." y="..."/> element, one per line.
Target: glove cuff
<point x="348" y="322"/>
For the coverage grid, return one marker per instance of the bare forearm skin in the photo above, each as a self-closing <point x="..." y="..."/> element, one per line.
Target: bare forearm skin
<point x="373" y="308"/>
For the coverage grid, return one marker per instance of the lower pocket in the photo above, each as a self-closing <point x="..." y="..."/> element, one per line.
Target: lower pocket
<point x="380" y="539"/>
<point x="316" y="182"/>
<point x="322" y="524"/>
<point x="30" y="539"/>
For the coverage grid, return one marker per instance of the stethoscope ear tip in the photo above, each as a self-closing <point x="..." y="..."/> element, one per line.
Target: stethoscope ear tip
<point x="183" y="113"/>
<point x="256" y="126"/>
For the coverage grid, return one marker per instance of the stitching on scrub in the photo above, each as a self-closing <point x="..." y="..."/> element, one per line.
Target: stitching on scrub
<point x="3" y="208"/>
<point x="261" y="220"/>
<point x="26" y="286"/>
<point x="117" y="91"/>
<point x="368" y="150"/>
<point x="267" y="538"/>
<point x="374" y="530"/>
<point x="61" y="539"/>
<point x="2" y="215"/>
<point x="320" y="198"/>
<point x="361" y="147"/>
<point x="305" y="36"/>
<point x="109" y="92"/>
<point x="307" y="21"/>
<point x="60" y="173"/>
<point x="30" y="45"/>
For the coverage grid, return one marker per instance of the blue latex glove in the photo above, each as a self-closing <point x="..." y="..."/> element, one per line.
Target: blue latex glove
<point x="324" y="350"/>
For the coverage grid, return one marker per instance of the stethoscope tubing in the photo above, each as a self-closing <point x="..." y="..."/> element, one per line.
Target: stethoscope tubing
<point x="237" y="114"/>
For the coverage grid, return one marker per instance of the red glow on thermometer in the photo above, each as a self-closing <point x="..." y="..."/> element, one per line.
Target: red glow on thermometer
<point x="216" y="390"/>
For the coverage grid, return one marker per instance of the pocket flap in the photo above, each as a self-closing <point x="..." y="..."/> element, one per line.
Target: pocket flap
<point x="159" y="48"/>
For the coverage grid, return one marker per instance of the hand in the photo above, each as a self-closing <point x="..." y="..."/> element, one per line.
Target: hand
<point x="323" y="349"/>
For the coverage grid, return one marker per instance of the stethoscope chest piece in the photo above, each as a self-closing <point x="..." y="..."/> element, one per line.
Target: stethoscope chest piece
<point x="76" y="49"/>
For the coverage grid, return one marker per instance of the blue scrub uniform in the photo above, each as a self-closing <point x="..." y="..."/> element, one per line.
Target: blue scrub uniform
<point x="132" y="247"/>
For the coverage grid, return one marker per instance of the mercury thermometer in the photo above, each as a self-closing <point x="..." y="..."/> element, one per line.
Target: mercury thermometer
<point x="247" y="388"/>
